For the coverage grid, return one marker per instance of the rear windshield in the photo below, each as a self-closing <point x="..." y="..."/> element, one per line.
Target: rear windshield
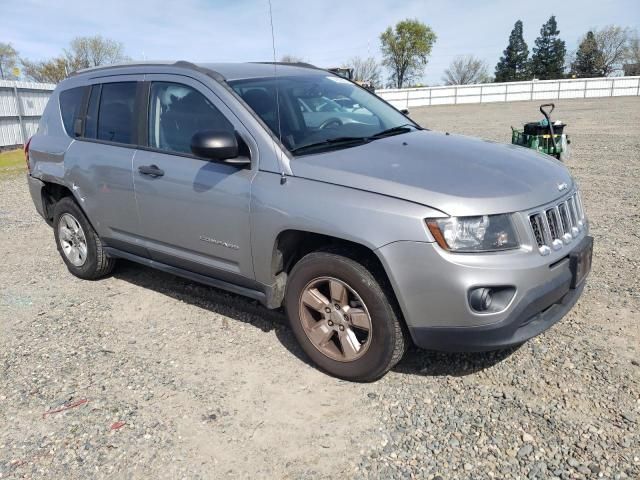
<point x="70" y="105"/>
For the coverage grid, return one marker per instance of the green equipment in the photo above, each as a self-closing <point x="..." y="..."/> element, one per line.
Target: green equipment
<point x="543" y="136"/>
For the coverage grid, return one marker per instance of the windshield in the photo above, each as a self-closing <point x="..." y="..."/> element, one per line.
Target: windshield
<point x="319" y="111"/>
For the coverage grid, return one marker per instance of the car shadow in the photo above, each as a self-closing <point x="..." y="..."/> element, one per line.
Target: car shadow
<point x="437" y="364"/>
<point x="231" y="305"/>
<point x="250" y="312"/>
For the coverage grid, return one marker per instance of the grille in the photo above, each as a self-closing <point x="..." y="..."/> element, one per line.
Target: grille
<point x="564" y="217"/>
<point x="554" y="223"/>
<point x="558" y="225"/>
<point x="538" y="228"/>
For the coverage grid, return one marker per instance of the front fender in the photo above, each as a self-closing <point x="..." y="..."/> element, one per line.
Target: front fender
<point x="366" y="218"/>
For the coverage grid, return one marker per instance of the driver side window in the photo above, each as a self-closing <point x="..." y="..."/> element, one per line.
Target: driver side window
<point x="176" y="113"/>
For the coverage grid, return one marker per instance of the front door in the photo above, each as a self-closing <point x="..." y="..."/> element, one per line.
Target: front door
<point x="194" y="213"/>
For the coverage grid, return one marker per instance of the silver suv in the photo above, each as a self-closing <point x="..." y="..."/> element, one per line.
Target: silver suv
<point x="298" y="188"/>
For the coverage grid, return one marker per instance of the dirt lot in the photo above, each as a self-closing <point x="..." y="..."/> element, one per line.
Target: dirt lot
<point x="212" y="385"/>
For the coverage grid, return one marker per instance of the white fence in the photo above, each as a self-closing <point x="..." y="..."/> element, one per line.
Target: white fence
<point x="21" y="105"/>
<point x="512" y="91"/>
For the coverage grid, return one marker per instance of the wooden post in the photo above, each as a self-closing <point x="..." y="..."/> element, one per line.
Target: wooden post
<point x="531" y="91"/>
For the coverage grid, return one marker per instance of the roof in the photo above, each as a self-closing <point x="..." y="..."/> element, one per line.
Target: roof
<point x="241" y="71"/>
<point x="228" y="71"/>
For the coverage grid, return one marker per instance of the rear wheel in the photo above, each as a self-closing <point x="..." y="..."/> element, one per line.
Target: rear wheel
<point x="78" y="243"/>
<point x="343" y="318"/>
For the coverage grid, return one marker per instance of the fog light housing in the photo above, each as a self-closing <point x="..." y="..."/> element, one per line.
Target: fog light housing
<point x="480" y="299"/>
<point x="490" y="299"/>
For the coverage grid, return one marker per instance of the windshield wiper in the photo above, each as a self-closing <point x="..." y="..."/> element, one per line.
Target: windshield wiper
<point x="352" y="141"/>
<point x="331" y="142"/>
<point x="404" y="128"/>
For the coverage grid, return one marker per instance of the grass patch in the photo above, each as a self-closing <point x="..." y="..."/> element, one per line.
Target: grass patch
<point x="12" y="162"/>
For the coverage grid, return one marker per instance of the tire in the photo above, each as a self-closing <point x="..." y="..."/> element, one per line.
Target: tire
<point x="92" y="263"/>
<point x="379" y="349"/>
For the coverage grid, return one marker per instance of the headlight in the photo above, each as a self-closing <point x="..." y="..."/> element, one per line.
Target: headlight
<point x="474" y="234"/>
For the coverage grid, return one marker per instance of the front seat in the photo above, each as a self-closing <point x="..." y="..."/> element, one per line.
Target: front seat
<point x="265" y="106"/>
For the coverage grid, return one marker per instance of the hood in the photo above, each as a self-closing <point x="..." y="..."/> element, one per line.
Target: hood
<point x="455" y="174"/>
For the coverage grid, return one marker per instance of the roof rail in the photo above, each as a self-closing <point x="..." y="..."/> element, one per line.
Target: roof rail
<point x="207" y="71"/>
<point x="179" y="63"/>
<point x="292" y="64"/>
<point x="118" y="65"/>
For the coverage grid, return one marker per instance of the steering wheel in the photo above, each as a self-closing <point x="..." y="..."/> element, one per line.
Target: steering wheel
<point x="332" y="122"/>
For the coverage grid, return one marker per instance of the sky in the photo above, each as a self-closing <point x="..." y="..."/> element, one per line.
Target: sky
<point x="325" y="33"/>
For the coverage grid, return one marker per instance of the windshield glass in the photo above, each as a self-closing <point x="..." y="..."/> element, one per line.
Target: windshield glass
<point x="319" y="111"/>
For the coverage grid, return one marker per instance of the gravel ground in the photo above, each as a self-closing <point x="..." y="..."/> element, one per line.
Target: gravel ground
<point x="166" y="378"/>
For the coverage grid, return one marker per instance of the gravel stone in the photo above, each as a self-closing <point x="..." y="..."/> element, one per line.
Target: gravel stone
<point x="525" y="451"/>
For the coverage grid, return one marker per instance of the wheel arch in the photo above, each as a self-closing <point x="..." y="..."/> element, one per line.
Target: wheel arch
<point x="52" y="193"/>
<point x="291" y="245"/>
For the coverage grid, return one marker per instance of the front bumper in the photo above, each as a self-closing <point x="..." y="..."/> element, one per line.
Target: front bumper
<point x="432" y="288"/>
<point x="537" y="313"/>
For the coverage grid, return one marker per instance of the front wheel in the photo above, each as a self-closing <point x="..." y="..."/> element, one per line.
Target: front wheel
<point x="343" y="318"/>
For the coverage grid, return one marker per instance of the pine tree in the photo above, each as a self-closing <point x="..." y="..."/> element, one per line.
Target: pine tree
<point x="547" y="61"/>
<point x="589" y="59"/>
<point x="514" y="61"/>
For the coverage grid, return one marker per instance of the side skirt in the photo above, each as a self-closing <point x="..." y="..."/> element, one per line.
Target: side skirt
<point x="196" y="277"/>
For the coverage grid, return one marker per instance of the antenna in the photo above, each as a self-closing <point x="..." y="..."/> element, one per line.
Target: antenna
<point x="283" y="177"/>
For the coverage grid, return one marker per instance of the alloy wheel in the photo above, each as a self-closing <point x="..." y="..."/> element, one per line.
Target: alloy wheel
<point x="72" y="240"/>
<point x="335" y="319"/>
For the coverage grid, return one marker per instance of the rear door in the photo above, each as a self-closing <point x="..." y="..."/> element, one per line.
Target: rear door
<point x="194" y="213"/>
<point x="98" y="163"/>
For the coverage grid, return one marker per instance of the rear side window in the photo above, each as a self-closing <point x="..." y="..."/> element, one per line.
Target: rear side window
<point x="70" y="108"/>
<point x="115" y="114"/>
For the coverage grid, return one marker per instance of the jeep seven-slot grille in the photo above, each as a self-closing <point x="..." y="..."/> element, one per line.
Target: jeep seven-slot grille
<point x="558" y="225"/>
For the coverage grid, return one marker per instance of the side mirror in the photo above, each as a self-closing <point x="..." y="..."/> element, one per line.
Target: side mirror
<point x="217" y="145"/>
<point x="404" y="111"/>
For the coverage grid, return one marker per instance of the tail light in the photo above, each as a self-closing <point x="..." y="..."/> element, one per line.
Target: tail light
<point x="26" y="155"/>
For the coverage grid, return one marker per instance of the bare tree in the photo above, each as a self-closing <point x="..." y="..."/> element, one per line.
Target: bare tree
<point x="48" y="71"/>
<point x="86" y="52"/>
<point x="8" y="60"/>
<point x="83" y="52"/>
<point x="366" y="70"/>
<point x="613" y="43"/>
<point x="465" y="70"/>
<point x="633" y="50"/>
<point x="287" y="58"/>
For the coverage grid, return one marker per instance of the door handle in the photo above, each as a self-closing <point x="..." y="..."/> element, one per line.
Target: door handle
<point x="151" y="170"/>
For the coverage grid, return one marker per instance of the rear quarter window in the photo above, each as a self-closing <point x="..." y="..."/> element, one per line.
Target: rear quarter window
<point x="70" y="107"/>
